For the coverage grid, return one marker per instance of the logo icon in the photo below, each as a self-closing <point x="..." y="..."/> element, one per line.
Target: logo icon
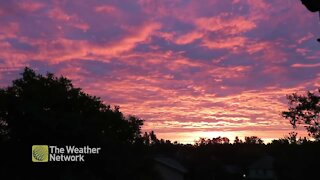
<point x="40" y="153"/>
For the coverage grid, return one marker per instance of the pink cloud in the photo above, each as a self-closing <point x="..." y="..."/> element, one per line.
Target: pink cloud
<point x="271" y="50"/>
<point x="106" y="9"/>
<point x="259" y="5"/>
<point x="69" y="19"/>
<point x="63" y="49"/>
<point x="305" y="38"/>
<point x="305" y="65"/>
<point x="30" y="6"/>
<point x="227" y="43"/>
<point x="234" y="25"/>
<point x="138" y="35"/>
<point x="59" y="14"/>
<point x="189" y="37"/>
<point x="229" y="72"/>
<point x="9" y="30"/>
<point x="275" y="70"/>
<point x="159" y="8"/>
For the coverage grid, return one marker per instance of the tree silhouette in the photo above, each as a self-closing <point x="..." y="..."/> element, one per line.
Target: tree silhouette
<point x="253" y="140"/>
<point x="237" y="140"/>
<point x="292" y="137"/>
<point x="48" y="109"/>
<point x="311" y="5"/>
<point x="150" y="138"/>
<point x="215" y="140"/>
<point x="305" y="109"/>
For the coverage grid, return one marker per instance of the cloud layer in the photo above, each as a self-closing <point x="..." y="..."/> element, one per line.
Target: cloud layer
<point x="189" y="68"/>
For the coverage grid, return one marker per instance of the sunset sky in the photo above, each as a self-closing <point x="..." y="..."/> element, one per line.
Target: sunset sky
<point x="190" y="68"/>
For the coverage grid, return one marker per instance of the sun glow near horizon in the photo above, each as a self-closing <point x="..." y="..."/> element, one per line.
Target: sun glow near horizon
<point x="192" y="137"/>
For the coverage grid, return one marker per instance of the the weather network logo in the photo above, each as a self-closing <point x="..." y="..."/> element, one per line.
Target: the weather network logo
<point x="70" y="153"/>
<point x="40" y="153"/>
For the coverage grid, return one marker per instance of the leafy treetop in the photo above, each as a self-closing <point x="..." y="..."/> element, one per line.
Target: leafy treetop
<point x="49" y="109"/>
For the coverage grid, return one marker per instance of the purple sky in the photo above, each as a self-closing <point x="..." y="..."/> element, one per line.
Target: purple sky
<point x="190" y="68"/>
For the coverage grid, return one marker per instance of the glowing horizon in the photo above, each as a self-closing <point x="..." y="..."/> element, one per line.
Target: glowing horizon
<point x="190" y="69"/>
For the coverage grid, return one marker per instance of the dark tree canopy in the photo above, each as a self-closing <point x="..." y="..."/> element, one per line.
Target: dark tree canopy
<point x="312" y="5"/>
<point x="305" y="109"/>
<point x="49" y="109"/>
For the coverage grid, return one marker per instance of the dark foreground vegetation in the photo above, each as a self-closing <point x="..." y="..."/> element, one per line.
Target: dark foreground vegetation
<point x="49" y="110"/>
